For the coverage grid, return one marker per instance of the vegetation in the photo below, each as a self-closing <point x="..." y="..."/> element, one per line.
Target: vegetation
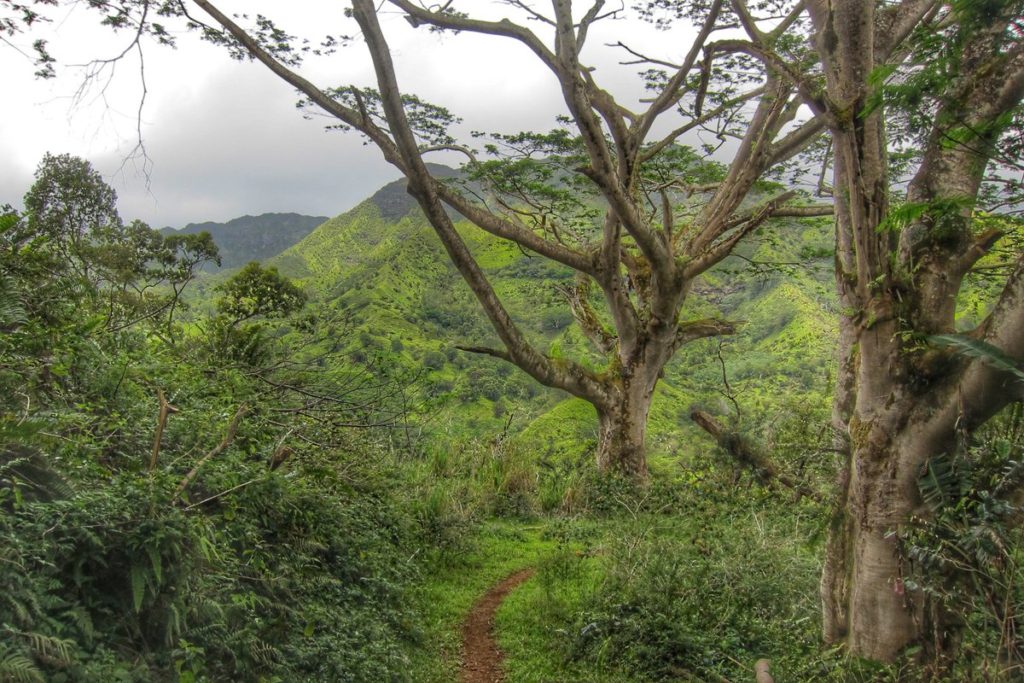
<point x="330" y="481"/>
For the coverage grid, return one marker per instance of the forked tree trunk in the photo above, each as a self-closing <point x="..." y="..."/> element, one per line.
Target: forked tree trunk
<point x="899" y="403"/>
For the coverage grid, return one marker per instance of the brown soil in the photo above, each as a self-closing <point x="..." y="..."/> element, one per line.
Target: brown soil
<point x="481" y="658"/>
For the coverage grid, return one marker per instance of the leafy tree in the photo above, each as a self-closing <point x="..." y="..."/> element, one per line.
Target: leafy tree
<point x="611" y="195"/>
<point x="258" y="292"/>
<point x="72" y="237"/>
<point x="73" y="211"/>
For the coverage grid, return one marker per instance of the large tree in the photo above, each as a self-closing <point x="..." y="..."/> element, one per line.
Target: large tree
<point x="922" y="103"/>
<point x="655" y="220"/>
<point x="942" y="83"/>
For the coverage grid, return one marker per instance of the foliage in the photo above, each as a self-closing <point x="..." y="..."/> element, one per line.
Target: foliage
<point x="258" y="292"/>
<point x="966" y="551"/>
<point x="195" y="545"/>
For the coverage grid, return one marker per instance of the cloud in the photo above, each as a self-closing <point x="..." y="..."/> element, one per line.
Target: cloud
<point x="236" y="146"/>
<point x="225" y="139"/>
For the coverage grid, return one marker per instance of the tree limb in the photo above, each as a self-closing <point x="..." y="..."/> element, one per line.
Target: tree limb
<point x="701" y="329"/>
<point x="750" y="456"/>
<point x="229" y="437"/>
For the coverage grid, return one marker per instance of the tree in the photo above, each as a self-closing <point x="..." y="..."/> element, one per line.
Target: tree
<point x="922" y="103"/>
<point x="73" y="211"/>
<point x="950" y="78"/>
<point x="258" y="292"/>
<point x="72" y="238"/>
<point x="654" y="225"/>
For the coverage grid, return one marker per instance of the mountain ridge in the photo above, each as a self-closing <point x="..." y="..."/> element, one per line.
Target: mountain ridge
<point x="252" y="237"/>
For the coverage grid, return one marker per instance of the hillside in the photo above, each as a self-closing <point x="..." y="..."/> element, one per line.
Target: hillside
<point x="253" y="238"/>
<point x="386" y="273"/>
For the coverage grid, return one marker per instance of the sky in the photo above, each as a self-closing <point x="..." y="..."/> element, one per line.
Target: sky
<point x="224" y="139"/>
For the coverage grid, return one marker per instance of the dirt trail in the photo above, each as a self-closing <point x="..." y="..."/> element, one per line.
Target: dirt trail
<point x="481" y="658"/>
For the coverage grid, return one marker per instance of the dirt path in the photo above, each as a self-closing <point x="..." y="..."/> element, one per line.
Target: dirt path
<point x="481" y="658"/>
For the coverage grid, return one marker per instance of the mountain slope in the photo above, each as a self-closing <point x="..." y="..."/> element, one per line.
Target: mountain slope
<point x="390" y="277"/>
<point x="254" y="238"/>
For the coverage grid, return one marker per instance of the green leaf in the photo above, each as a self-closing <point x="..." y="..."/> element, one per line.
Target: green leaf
<point x="138" y="577"/>
<point x="982" y="350"/>
<point x="157" y="563"/>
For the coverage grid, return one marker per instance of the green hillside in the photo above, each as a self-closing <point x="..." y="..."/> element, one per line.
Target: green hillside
<point x="388" y="275"/>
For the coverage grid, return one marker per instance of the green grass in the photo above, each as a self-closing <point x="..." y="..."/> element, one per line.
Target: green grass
<point x="641" y="596"/>
<point x="457" y="580"/>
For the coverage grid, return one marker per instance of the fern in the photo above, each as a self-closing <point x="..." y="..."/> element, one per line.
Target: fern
<point x="50" y="649"/>
<point x="12" y="310"/>
<point x="17" y="668"/>
<point x="939" y="482"/>
<point x="982" y="350"/>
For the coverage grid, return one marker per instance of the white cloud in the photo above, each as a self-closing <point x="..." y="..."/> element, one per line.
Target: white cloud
<point x="224" y="137"/>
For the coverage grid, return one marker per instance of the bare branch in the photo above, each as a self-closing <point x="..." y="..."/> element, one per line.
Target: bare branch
<point x="511" y="231"/>
<point x="642" y="58"/>
<point x="503" y="28"/>
<point x="487" y="351"/>
<point x="161" y="422"/>
<point x="702" y="329"/>
<point x="571" y="377"/>
<point x="750" y="456"/>
<point x="229" y="437"/>
<point x="671" y="94"/>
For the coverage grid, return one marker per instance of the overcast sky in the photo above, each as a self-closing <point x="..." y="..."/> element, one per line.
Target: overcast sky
<point x="224" y="138"/>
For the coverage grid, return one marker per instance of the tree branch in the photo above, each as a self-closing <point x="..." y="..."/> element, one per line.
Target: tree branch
<point x="571" y="377"/>
<point x="229" y="437"/>
<point x="161" y="422"/>
<point x="701" y="329"/>
<point x="503" y="28"/>
<point x="505" y="229"/>
<point x="750" y="456"/>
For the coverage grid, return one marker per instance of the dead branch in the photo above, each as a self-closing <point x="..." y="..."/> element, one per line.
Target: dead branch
<point x="229" y="436"/>
<point x="750" y="455"/>
<point x="161" y="421"/>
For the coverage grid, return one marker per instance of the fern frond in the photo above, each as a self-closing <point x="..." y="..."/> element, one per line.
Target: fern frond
<point x="18" y="668"/>
<point x="982" y="350"/>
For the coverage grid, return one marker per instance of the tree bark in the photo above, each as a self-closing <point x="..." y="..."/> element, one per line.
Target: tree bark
<point x="897" y="403"/>
<point x="622" y="431"/>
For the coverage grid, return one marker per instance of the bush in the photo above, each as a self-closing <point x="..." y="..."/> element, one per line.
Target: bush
<point x="290" y="578"/>
<point x="697" y="604"/>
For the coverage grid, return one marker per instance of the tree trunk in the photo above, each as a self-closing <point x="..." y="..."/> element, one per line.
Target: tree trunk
<point x="880" y="611"/>
<point x="863" y="587"/>
<point x="622" y="431"/>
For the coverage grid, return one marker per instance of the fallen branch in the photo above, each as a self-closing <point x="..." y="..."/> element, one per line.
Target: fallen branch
<point x="749" y="455"/>
<point x="161" y="422"/>
<point x="223" y="493"/>
<point x="218" y="449"/>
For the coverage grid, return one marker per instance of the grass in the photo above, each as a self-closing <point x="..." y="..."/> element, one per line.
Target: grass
<point x="456" y="580"/>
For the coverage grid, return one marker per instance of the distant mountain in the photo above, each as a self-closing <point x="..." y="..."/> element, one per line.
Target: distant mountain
<point x="254" y="238"/>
